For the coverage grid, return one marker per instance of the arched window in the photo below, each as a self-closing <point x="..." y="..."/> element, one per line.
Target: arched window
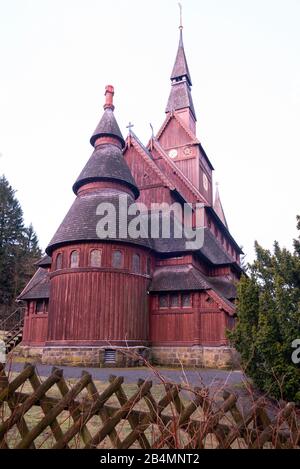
<point x="136" y="263"/>
<point x="59" y="259"/>
<point x="95" y="258"/>
<point x="117" y="259"/>
<point x="74" y="259"/>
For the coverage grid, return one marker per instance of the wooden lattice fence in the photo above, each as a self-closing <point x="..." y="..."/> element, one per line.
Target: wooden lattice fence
<point x="56" y="414"/>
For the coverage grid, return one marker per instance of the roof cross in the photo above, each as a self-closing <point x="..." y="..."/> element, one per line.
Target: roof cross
<point x="129" y="127"/>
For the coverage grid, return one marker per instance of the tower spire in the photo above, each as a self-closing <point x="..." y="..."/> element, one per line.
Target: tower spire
<point x="180" y="96"/>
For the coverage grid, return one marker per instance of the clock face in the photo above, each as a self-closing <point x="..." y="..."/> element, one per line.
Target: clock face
<point x="173" y="153"/>
<point x="205" y="182"/>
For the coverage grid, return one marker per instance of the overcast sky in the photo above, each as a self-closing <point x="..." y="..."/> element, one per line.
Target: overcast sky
<point x="56" y="56"/>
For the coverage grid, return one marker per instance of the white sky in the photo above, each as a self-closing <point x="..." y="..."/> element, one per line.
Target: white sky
<point x="56" y="56"/>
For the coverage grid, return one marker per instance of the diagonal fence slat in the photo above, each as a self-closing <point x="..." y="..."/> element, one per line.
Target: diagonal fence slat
<point x="132" y="419"/>
<point x="78" y="415"/>
<point x="89" y="413"/>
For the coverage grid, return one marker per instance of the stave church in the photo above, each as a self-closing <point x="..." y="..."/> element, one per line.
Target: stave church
<point x="123" y="300"/>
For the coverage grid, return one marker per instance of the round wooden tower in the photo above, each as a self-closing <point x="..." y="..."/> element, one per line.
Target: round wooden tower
<point x="98" y="309"/>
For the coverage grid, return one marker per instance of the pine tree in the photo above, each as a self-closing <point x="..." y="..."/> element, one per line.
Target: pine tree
<point x="18" y="248"/>
<point x="268" y="311"/>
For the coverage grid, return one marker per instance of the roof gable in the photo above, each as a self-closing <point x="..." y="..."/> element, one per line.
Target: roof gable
<point x="187" y="133"/>
<point x="154" y="173"/>
<point x="181" y="182"/>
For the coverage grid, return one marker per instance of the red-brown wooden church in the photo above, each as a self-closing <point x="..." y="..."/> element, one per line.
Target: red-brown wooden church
<point x="91" y="298"/>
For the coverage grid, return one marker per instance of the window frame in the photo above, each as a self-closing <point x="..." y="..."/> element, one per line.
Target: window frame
<point x="90" y="257"/>
<point x="37" y="303"/>
<point x="179" y="296"/>
<point x="59" y="256"/>
<point x="121" y="266"/>
<point x="190" y="305"/>
<point x="133" y="267"/>
<point x="70" y="259"/>
<point x="175" y="295"/>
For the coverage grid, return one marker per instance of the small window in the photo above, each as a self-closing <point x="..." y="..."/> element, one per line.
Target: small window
<point x="174" y="300"/>
<point x="39" y="307"/>
<point x="186" y="300"/>
<point x="163" y="301"/>
<point x="74" y="259"/>
<point x="117" y="259"/>
<point x="148" y="266"/>
<point x="59" y="260"/>
<point x="136" y="263"/>
<point x="95" y="258"/>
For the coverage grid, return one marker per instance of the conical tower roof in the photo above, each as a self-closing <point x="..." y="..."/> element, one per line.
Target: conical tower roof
<point x="106" y="166"/>
<point x="218" y="208"/>
<point x="181" y="68"/>
<point x="106" y="162"/>
<point x="180" y="95"/>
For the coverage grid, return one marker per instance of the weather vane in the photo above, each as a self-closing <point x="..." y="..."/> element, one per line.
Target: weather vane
<point x="180" y="8"/>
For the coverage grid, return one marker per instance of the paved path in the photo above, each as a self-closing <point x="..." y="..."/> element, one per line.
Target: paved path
<point x="206" y="377"/>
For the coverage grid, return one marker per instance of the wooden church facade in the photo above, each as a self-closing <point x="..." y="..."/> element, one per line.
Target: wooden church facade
<point x="99" y="301"/>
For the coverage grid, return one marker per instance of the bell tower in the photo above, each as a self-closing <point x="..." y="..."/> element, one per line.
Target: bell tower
<point x="177" y="135"/>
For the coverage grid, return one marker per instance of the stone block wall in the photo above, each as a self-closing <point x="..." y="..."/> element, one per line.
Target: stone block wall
<point x="198" y="356"/>
<point x="82" y="356"/>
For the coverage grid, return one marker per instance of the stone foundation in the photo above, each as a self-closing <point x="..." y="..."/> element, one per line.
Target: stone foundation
<point x="198" y="356"/>
<point x="26" y="354"/>
<point x="82" y="356"/>
<point x="202" y="357"/>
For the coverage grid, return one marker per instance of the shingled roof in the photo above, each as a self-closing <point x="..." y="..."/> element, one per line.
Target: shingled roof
<point x="224" y="286"/>
<point x="107" y="126"/>
<point x="81" y="221"/>
<point x="180" y="96"/>
<point x="213" y="250"/>
<point x="179" y="277"/>
<point x="38" y="287"/>
<point x="45" y="261"/>
<point x="181" y="68"/>
<point x="188" y="278"/>
<point x="106" y="164"/>
<point x="218" y="207"/>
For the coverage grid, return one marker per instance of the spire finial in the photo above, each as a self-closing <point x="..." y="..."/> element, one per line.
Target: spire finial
<point x="109" y="97"/>
<point x="180" y="9"/>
